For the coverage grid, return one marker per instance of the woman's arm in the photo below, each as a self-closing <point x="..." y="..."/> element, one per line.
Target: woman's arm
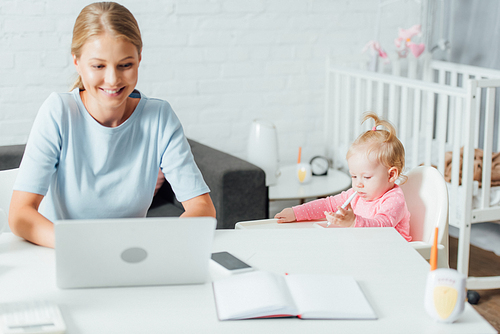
<point x="200" y="206"/>
<point x="26" y="222"/>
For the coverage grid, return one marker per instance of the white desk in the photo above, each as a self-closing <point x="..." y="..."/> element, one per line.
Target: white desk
<point x="289" y="188"/>
<point x="390" y="272"/>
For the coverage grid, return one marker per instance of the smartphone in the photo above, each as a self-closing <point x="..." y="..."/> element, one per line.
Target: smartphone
<point x="230" y="262"/>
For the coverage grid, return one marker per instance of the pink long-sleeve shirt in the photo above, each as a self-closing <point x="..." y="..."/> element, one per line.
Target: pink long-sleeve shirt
<point x="390" y="210"/>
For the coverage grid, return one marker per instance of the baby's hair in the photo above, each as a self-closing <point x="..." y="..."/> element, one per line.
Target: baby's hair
<point x="384" y="143"/>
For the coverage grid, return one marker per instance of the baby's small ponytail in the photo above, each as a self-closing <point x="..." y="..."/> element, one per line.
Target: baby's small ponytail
<point x="382" y="141"/>
<point x="380" y="123"/>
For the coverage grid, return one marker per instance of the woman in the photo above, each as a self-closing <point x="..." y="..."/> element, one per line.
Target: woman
<point x="95" y="152"/>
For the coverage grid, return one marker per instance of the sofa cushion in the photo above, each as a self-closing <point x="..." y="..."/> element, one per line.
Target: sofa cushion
<point x="10" y="156"/>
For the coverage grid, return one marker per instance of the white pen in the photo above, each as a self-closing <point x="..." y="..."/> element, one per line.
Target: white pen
<point x="346" y="203"/>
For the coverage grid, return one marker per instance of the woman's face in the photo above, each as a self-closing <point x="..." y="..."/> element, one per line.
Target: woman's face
<point x="108" y="67"/>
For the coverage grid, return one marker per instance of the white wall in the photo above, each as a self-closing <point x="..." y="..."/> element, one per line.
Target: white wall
<point x="220" y="63"/>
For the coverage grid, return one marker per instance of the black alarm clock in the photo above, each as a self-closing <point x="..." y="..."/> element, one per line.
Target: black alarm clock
<point x="319" y="165"/>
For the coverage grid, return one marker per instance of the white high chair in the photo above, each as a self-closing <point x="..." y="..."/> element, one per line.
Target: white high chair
<point x="426" y="196"/>
<point x="7" y="179"/>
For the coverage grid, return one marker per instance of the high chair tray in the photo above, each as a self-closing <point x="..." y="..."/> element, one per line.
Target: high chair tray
<point x="273" y="224"/>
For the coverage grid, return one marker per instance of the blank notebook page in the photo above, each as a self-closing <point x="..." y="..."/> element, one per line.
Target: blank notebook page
<point x="329" y="297"/>
<point x="252" y="294"/>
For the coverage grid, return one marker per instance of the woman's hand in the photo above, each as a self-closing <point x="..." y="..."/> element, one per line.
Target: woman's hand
<point x="285" y="216"/>
<point x="345" y="217"/>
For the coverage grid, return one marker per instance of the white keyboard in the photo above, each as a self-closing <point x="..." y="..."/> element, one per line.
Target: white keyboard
<point x="38" y="317"/>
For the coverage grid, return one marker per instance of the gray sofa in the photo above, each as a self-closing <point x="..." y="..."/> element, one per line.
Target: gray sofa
<point x="238" y="188"/>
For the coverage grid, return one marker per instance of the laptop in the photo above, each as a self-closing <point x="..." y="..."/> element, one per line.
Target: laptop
<point x="133" y="251"/>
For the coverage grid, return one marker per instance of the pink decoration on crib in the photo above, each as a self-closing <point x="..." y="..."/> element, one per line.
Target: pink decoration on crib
<point x="405" y="34"/>
<point x="404" y="44"/>
<point x="375" y="47"/>
<point x="416" y="49"/>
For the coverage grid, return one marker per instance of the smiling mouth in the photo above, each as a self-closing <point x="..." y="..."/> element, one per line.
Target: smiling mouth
<point x="112" y="91"/>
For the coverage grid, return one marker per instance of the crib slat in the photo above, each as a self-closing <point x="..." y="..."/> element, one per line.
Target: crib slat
<point x="369" y="95"/>
<point x="429" y="128"/>
<point x="392" y="104"/>
<point x="393" y="94"/>
<point x="497" y="115"/>
<point x="488" y="146"/>
<point x="347" y="111"/>
<point x="427" y="71"/>
<point x="412" y="68"/>
<point x="451" y="128"/>
<point x="416" y="127"/>
<point x="328" y="113"/>
<point x="404" y="111"/>
<point x="441" y="77"/>
<point x="335" y="127"/>
<point x="455" y="162"/>
<point x="478" y="116"/>
<point x="465" y="78"/>
<point x="467" y="174"/>
<point x="441" y="128"/>
<point x="380" y="99"/>
<point x="358" y="102"/>
<point x="453" y="79"/>
<point x="396" y="68"/>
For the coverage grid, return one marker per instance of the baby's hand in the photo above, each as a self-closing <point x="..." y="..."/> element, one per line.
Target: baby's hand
<point x="285" y="216"/>
<point x="345" y="217"/>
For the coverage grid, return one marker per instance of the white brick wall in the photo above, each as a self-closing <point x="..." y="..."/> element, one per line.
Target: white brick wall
<point x="220" y="63"/>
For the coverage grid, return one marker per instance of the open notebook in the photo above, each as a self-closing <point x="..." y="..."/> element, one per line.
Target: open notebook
<point x="262" y="294"/>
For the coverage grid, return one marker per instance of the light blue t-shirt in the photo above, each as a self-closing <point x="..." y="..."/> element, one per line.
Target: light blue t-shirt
<point x="86" y="170"/>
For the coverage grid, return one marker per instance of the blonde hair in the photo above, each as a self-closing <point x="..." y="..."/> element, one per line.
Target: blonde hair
<point x="104" y="17"/>
<point x="384" y="143"/>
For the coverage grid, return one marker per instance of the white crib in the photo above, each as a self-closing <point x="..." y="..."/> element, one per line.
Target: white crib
<point x="438" y="108"/>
